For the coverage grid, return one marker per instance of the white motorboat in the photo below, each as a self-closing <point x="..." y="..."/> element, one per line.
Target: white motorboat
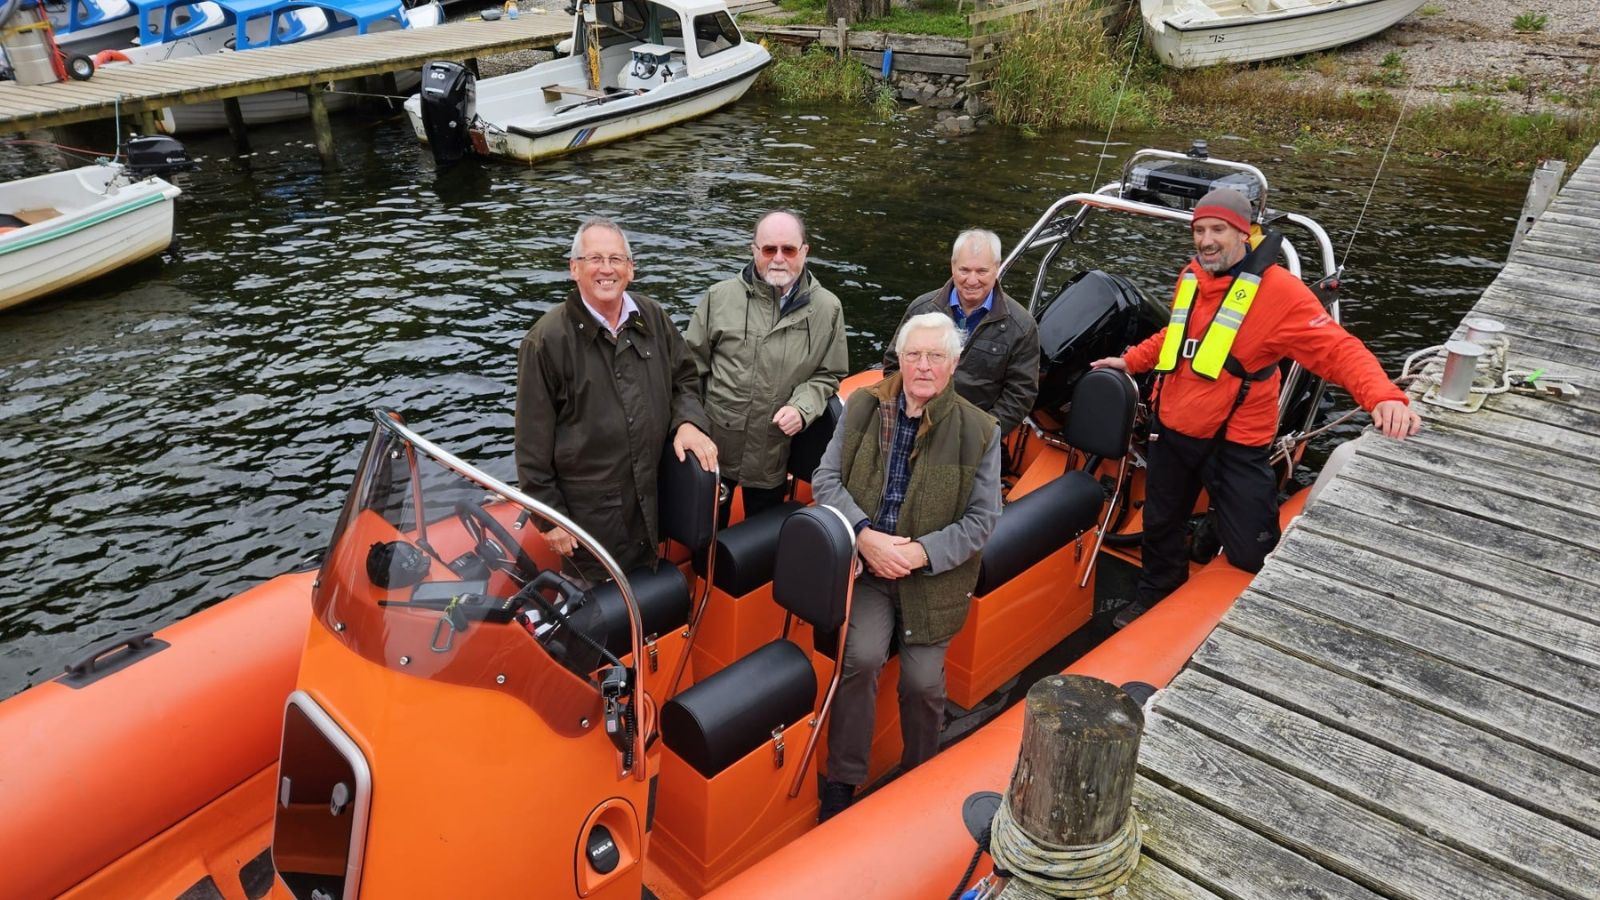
<point x="1189" y="34"/>
<point x="226" y="26"/>
<point x="635" y="66"/>
<point x="63" y="229"/>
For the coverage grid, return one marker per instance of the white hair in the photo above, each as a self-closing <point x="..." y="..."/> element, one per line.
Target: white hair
<point x="977" y="234"/>
<point x="936" y="321"/>
<point x="598" y="222"/>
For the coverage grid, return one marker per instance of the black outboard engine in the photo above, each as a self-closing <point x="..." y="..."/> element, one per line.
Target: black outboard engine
<point x="156" y="154"/>
<point x="1096" y="315"/>
<point x="449" y="104"/>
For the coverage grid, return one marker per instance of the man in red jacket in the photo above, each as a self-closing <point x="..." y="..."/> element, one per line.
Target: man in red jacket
<point x="1236" y="314"/>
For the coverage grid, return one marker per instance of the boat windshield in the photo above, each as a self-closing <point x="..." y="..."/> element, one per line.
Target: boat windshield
<point x="436" y="571"/>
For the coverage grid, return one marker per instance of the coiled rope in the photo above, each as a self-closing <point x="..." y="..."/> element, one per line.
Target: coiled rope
<point x="1429" y="363"/>
<point x="1041" y="872"/>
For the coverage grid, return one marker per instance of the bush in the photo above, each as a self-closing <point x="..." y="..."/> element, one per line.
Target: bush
<point x="1527" y="23"/>
<point x="818" y="75"/>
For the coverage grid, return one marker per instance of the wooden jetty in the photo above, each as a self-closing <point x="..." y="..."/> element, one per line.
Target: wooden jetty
<point x="145" y="88"/>
<point x="1406" y="702"/>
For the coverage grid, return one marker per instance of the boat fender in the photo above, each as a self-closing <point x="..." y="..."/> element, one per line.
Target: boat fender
<point x="110" y="56"/>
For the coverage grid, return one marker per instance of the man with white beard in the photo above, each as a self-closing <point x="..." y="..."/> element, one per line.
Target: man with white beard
<point x="770" y="348"/>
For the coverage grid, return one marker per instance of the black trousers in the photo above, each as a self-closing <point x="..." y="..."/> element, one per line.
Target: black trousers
<point x="755" y="500"/>
<point x="1244" y="495"/>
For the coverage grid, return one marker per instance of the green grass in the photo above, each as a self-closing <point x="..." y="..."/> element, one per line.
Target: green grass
<point x="1056" y="73"/>
<point x="1527" y="23"/>
<point x="818" y="76"/>
<point x="930" y="17"/>
<point x="1429" y="10"/>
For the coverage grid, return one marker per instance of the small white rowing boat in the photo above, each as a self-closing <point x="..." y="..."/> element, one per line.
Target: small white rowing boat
<point x="1189" y="34"/>
<point x="636" y="66"/>
<point x="63" y="229"/>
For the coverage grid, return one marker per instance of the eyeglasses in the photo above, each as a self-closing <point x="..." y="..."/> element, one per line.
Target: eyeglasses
<point x="934" y="357"/>
<point x="596" y="260"/>
<point x="771" y="250"/>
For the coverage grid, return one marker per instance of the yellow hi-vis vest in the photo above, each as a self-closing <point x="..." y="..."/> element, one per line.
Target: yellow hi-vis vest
<point x="1209" y="355"/>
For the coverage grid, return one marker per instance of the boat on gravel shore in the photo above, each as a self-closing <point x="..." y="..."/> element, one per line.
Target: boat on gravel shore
<point x="1189" y="34"/>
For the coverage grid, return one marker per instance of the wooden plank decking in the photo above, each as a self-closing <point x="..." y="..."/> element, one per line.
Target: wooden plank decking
<point x="152" y="86"/>
<point x="1406" y="702"/>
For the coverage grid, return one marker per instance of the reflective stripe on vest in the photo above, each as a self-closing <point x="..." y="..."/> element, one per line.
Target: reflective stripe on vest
<point x="1214" y="347"/>
<point x="1178" y="324"/>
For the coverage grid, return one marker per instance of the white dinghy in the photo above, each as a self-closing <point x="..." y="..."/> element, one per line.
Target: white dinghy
<point x="1189" y="34"/>
<point x="636" y="66"/>
<point x="65" y="228"/>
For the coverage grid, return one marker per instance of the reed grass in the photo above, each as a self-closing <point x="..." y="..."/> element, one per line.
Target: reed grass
<point x="1057" y="72"/>
<point x="819" y="76"/>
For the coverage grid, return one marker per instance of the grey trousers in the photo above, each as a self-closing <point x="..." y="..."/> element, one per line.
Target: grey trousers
<point x="872" y="623"/>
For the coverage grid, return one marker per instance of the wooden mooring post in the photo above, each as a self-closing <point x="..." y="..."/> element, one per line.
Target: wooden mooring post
<point x="1066" y="827"/>
<point x="1541" y="190"/>
<point x="236" y="128"/>
<point x="321" y="125"/>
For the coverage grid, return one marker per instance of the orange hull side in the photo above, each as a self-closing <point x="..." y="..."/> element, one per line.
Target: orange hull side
<point x="92" y="774"/>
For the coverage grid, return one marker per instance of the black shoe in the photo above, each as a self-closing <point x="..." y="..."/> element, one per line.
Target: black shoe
<point x="1128" y="613"/>
<point x="836" y="798"/>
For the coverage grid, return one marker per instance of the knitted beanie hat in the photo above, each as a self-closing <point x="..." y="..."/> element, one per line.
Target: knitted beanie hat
<point x="1227" y="204"/>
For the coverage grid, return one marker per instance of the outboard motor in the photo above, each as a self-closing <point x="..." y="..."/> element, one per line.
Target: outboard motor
<point x="449" y="104"/>
<point x="157" y="154"/>
<point x="1096" y="315"/>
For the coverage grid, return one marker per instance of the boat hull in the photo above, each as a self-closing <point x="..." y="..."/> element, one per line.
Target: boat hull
<point x="1186" y="42"/>
<point x="273" y="106"/>
<point x="133" y="222"/>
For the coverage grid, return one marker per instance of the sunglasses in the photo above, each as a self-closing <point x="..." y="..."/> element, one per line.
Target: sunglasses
<point x="771" y="250"/>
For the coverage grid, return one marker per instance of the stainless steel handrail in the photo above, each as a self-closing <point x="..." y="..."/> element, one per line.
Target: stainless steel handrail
<point x="450" y="461"/>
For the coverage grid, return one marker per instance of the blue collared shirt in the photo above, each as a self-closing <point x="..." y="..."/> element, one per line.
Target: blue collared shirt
<point x="899" y="468"/>
<point x="969" y="322"/>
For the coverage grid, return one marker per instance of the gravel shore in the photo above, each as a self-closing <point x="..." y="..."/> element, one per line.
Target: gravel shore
<point x="1468" y="48"/>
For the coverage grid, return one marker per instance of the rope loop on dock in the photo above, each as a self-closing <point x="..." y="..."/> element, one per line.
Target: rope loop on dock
<point x="1039" y="871"/>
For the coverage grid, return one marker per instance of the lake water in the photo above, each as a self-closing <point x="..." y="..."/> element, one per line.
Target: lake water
<point x="179" y="431"/>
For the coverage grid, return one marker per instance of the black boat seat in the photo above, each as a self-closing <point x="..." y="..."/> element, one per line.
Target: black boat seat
<point x="1038" y="524"/>
<point x="663" y="598"/>
<point x="716" y="722"/>
<point x="1100" y="418"/>
<point x="719" y="720"/>
<point x="807" y="447"/>
<point x="747" y="551"/>
<point x="686" y="499"/>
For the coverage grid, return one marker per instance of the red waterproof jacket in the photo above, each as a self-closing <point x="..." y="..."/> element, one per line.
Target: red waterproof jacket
<point x="1286" y="320"/>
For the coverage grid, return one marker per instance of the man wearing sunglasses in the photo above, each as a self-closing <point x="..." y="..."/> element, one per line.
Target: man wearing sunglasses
<point x="770" y="349"/>
<point x="603" y="380"/>
<point x="999" y="370"/>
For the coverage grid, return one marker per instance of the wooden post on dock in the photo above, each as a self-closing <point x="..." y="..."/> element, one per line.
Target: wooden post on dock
<point x="147" y="122"/>
<point x="321" y="125"/>
<point x="235" y="116"/>
<point x="844" y="40"/>
<point x="1066" y="827"/>
<point x="1541" y="190"/>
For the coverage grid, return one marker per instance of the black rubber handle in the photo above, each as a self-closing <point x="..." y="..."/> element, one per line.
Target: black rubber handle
<point x="135" y="643"/>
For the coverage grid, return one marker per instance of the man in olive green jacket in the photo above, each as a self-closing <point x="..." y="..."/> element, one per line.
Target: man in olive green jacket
<point x="770" y="349"/>
<point x="602" y="381"/>
<point x="1000" y="341"/>
<point x="916" y="468"/>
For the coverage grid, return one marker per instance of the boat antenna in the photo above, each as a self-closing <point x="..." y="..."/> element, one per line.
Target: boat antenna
<point x="1116" y="107"/>
<point x="1404" y="99"/>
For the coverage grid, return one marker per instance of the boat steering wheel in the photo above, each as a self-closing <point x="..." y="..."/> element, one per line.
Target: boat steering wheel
<point x="494" y="544"/>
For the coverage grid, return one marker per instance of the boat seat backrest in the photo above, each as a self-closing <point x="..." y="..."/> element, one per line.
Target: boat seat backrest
<point x="811" y="577"/>
<point x="663" y="597"/>
<point x="805" y="450"/>
<point x="1100" y="420"/>
<point x="747" y="551"/>
<point x="686" y="497"/>
<point x="718" y="721"/>
<point x="1038" y="524"/>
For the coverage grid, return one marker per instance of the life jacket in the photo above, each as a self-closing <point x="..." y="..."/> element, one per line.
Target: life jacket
<point x="1210" y="355"/>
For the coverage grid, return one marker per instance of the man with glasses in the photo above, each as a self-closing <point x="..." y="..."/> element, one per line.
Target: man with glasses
<point x="916" y="468"/>
<point x="999" y="369"/>
<point x="770" y="349"/>
<point x="602" y="380"/>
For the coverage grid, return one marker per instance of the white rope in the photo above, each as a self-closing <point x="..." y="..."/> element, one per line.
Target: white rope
<point x="1094" y="182"/>
<point x="1041" y="872"/>
<point x="1374" y="186"/>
